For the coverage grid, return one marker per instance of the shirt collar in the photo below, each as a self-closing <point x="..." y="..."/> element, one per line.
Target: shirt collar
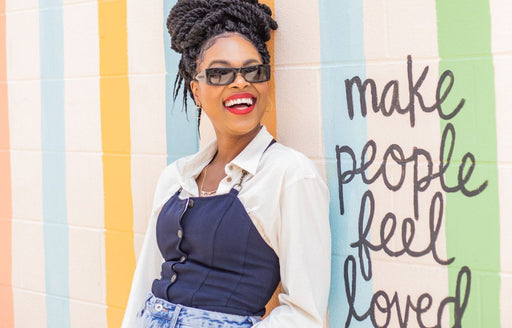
<point x="250" y="157"/>
<point x="247" y="160"/>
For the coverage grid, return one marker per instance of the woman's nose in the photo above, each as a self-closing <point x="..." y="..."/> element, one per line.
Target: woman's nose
<point x="239" y="81"/>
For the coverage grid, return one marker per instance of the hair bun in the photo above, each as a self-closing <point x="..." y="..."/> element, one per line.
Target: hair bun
<point x="191" y="22"/>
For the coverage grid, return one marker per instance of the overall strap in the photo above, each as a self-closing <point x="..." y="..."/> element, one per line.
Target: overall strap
<point x="237" y="187"/>
<point x="270" y="144"/>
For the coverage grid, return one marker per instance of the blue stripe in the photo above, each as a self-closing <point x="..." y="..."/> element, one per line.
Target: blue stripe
<point x="342" y="56"/>
<point x="181" y="129"/>
<point x="56" y="247"/>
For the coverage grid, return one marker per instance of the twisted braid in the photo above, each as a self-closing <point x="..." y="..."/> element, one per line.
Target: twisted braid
<point x="195" y="24"/>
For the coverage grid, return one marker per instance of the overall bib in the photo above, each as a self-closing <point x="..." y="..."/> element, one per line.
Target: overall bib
<point x="218" y="271"/>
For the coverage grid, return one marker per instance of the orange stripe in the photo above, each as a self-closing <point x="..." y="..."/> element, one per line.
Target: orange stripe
<point x="269" y="119"/>
<point x="115" y="130"/>
<point x="6" y="298"/>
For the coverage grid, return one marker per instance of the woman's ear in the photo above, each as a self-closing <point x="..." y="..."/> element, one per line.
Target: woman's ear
<point x="194" y="86"/>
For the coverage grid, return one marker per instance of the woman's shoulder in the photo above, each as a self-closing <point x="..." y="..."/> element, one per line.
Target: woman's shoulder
<point x="170" y="178"/>
<point x="173" y="170"/>
<point x="291" y="163"/>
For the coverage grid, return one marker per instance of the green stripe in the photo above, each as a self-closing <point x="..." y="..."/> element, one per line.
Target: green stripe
<point x="472" y="223"/>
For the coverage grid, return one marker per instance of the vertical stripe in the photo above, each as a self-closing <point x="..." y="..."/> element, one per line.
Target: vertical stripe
<point x="501" y="11"/>
<point x="54" y="164"/>
<point x="23" y="71"/>
<point x="393" y="30"/>
<point x="146" y="66"/>
<point x="342" y="55"/>
<point x="294" y="112"/>
<point x="6" y="297"/>
<point x="115" y="131"/>
<point x="269" y="118"/>
<point x="472" y="224"/>
<point x="84" y="178"/>
<point x="181" y="129"/>
<point x="297" y="69"/>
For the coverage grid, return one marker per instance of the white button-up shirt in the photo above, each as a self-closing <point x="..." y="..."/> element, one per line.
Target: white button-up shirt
<point x="287" y="201"/>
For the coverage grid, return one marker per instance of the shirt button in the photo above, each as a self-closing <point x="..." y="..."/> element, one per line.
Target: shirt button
<point x="174" y="277"/>
<point x="230" y="167"/>
<point x="228" y="179"/>
<point x="190" y="203"/>
<point x="180" y="233"/>
<point x="183" y="259"/>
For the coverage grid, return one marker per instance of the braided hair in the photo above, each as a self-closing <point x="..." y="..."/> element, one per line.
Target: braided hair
<point x="194" y="25"/>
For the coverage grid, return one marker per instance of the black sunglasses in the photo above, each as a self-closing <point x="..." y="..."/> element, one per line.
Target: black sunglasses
<point x="226" y="75"/>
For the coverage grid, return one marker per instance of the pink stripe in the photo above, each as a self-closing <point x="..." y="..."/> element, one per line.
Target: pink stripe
<point x="6" y="298"/>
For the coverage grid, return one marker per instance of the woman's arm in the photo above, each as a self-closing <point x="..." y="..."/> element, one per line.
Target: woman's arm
<point x="150" y="259"/>
<point x="304" y="249"/>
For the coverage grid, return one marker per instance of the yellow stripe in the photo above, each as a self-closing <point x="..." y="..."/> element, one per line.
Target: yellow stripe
<point x="269" y="119"/>
<point x="115" y="130"/>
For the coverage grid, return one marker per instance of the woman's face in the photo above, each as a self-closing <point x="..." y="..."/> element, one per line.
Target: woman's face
<point x="229" y="106"/>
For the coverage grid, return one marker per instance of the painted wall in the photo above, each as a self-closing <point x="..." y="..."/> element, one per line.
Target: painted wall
<point x="403" y="105"/>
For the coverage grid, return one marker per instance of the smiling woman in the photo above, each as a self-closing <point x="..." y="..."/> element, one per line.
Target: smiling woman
<point x="247" y="101"/>
<point x="244" y="213"/>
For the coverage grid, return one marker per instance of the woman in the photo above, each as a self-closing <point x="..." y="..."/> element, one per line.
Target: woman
<point x="244" y="213"/>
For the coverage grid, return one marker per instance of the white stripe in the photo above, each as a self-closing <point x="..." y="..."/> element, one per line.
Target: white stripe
<point x="297" y="77"/>
<point x="86" y="315"/>
<point x="146" y="67"/>
<point x="81" y="69"/>
<point x="25" y="302"/>
<point x="86" y="267"/>
<point x="394" y="30"/>
<point x="84" y="176"/>
<point x="501" y="27"/>
<point x="22" y="38"/>
<point x="27" y="242"/>
<point x="17" y="5"/>
<point x="27" y="234"/>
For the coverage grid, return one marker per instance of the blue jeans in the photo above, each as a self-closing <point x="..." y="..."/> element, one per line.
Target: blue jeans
<point x="158" y="313"/>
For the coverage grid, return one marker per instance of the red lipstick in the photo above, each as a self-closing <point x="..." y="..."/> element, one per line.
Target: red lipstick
<point x="240" y="103"/>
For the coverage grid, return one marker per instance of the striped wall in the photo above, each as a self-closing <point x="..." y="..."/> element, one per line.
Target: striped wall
<point x="87" y="123"/>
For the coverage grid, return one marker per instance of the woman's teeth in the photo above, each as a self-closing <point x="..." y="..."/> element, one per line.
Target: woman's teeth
<point x="233" y="102"/>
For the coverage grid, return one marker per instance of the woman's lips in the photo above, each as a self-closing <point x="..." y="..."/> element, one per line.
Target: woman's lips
<point x="240" y="111"/>
<point x="240" y="103"/>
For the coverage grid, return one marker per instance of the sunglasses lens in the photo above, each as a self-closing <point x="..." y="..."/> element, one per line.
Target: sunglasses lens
<point x="258" y="73"/>
<point x="224" y="76"/>
<point x="220" y="76"/>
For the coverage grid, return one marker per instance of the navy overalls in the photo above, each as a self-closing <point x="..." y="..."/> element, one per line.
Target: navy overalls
<point x="215" y="258"/>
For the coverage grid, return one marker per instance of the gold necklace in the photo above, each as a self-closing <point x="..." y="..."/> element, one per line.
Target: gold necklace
<point x="205" y="193"/>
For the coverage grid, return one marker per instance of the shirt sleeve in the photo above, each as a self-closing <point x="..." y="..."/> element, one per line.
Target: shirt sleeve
<point x="304" y="250"/>
<point x="148" y="263"/>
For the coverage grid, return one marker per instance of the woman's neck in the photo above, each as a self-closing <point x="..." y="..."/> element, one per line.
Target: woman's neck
<point x="228" y="147"/>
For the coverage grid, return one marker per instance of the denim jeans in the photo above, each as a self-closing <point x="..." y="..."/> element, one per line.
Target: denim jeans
<point x="158" y="313"/>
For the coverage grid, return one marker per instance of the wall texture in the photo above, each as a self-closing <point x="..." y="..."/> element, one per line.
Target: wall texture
<point x="403" y="105"/>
